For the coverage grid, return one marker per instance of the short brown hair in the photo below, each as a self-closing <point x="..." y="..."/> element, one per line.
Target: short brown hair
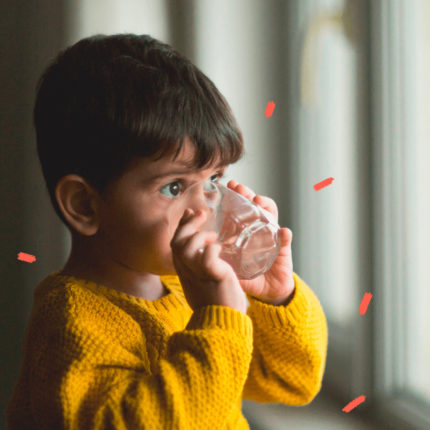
<point x="106" y="100"/>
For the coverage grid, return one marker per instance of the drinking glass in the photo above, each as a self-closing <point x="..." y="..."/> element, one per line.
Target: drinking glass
<point x="249" y="235"/>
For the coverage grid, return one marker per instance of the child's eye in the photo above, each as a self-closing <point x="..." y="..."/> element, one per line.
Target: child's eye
<point x="174" y="188"/>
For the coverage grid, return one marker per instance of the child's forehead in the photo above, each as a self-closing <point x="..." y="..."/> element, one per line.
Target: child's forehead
<point x="185" y="157"/>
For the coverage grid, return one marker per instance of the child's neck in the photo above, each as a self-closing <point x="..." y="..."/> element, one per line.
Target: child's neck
<point x="147" y="286"/>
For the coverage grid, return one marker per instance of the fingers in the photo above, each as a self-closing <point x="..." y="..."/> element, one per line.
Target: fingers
<point x="210" y="260"/>
<point x="268" y="204"/>
<point x="197" y="241"/>
<point x="187" y="241"/>
<point x="241" y="189"/>
<point x="286" y="240"/>
<point x="265" y="202"/>
<point x="188" y="224"/>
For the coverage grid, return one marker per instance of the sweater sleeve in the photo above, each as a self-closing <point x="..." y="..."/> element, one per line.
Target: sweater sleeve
<point x="290" y="348"/>
<point x="93" y="382"/>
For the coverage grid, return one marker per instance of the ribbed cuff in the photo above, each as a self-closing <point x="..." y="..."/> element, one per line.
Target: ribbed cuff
<point x="291" y="314"/>
<point x="223" y="317"/>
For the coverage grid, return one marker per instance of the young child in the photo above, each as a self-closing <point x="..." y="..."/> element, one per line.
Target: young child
<point x="140" y="330"/>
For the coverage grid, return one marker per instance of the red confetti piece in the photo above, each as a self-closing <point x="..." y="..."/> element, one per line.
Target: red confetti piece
<point x="323" y="184"/>
<point x="353" y="404"/>
<point x="28" y="258"/>
<point x="365" y="303"/>
<point x="269" y="109"/>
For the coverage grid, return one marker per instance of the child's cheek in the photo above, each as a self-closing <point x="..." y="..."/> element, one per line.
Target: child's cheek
<point x="170" y="221"/>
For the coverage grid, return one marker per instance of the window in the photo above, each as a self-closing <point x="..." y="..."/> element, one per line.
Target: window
<point x="362" y="116"/>
<point x="402" y="139"/>
<point x="417" y="199"/>
<point x="327" y="137"/>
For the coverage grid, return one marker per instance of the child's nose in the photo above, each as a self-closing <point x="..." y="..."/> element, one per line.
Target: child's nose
<point x="201" y="196"/>
<point x="203" y="207"/>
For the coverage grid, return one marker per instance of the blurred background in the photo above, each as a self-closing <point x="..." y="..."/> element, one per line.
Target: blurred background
<point x="350" y="82"/>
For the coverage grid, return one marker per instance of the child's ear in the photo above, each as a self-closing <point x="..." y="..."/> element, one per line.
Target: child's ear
<point x="77" y="202"/>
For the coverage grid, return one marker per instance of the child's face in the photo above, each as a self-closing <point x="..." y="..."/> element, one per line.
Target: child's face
<point x="140" y="214"/>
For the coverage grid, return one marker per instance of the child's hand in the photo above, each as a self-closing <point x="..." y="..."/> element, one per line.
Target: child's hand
<point x="277" y="284"/>
<point x="206" y="279"/>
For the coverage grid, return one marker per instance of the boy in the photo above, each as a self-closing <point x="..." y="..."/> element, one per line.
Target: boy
<point x="139" y="329"/>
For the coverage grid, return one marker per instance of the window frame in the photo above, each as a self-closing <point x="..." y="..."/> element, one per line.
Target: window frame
<point x="390" y="83"/>
<point x="366" y="355"/>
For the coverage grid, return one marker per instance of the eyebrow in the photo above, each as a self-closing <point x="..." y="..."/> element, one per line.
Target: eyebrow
<point x="158" y="176"/>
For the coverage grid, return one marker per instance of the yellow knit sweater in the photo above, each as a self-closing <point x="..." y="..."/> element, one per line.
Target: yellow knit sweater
<point x="96" y="358"/>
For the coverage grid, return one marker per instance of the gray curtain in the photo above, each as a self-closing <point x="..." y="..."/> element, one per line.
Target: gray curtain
<point x="31" y="34"/>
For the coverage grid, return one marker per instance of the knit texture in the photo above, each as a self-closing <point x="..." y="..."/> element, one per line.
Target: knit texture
<point x="97" y="358"/>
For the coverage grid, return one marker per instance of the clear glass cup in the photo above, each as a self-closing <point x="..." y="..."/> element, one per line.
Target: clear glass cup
<point x="249" y="235"/>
